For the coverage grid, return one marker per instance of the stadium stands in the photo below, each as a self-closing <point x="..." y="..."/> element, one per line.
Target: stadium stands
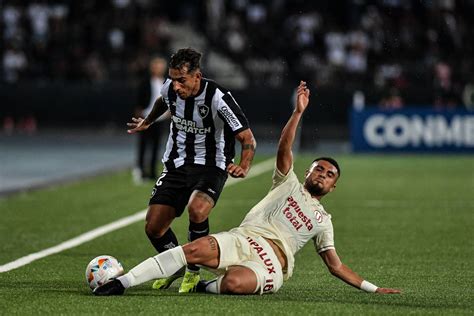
<point x="393" y="43"/>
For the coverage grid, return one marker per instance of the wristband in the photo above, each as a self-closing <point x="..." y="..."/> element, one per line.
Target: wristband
<point x="368" y="287"/>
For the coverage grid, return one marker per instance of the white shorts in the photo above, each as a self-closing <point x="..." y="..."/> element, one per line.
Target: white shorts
<point x="239" y="248"/>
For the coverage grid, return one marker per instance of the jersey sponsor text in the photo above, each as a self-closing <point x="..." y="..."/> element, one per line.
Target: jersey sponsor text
<point x="300" y="218"/>
<point x="263" y="255"/>
<point x="189" y="126"/>
<point x="230" y="117"/>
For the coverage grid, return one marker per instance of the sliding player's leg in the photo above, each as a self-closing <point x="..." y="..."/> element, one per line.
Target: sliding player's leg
<point x="204" y="251"/>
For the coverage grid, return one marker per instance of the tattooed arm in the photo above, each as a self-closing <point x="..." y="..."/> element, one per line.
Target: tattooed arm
<point x="249" y="144"/>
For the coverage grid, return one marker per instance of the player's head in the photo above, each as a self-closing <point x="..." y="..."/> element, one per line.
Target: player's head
<point x="157" y="67"/>
<point x="322" y="176"/>
<point x="185" y="72"/>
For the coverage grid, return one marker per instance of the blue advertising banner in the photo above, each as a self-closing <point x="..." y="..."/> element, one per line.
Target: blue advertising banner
<point x="412" y="130"/>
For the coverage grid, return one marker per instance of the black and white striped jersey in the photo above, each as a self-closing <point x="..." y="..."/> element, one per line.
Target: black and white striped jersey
<point x="203" y="127"/>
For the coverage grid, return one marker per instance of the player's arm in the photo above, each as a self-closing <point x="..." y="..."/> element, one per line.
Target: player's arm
<point x="343" y="272"/>
<point x="139" y="124"/>
<point x="248" y="145"/>
<point x="284" y="153"/>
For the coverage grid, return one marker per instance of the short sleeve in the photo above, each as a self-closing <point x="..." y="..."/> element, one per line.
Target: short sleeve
<point x="280" y="178"/>
<point x="324" y="240"/>
<point x="232" y="114"/>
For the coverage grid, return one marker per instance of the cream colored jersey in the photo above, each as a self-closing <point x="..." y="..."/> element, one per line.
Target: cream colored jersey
<point x="290" y="216"/>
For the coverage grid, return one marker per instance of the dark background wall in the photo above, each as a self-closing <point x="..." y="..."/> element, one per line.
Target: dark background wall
<point x="111" y="103"/>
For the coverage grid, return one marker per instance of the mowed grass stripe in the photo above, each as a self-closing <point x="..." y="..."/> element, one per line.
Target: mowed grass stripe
<point x="258" y="169"/>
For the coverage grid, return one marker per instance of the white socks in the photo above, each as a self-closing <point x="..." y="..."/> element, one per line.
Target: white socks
<point x="158" y="267"/>
<point x="162" y="266"/>
<point x="214" y="286"/>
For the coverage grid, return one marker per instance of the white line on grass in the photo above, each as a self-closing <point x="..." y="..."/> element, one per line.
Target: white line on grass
<point x="256" y="170"/>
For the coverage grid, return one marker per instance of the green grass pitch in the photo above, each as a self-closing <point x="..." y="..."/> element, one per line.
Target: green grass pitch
<point x="400" y="221"/>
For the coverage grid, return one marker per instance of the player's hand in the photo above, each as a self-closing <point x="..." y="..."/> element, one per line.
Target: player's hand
<point x="382" y="290"/>
<point x="137" y="125"/>
<point x="302" y="97"/>
<point x="236" y="171"/>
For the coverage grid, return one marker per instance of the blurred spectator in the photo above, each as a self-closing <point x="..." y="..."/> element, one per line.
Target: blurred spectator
<point x="149" y="140"/>
<point x="444" y="91"/>
<point x="215" y="11"/>
<point x="357" y="57"/>
<point x="94" y="68"/>
<point x="39" y="14"/>
<point x="14" y="63"/>
<point x="392" y="101"/>
<point x="335" y="48"/>
<point x="235" y="38"/>
<point x="389" y="73"/>
<point x="11" y="20"/>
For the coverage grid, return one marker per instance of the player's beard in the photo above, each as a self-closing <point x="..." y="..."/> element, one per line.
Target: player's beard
<point x="315" y="189"/>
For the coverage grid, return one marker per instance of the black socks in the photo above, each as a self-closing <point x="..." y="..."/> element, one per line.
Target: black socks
<point x="198" y="230"/>
<point x="165" y="242"/>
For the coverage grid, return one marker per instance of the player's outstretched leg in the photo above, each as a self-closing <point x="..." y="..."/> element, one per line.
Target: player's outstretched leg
<point x="161" y="266"/>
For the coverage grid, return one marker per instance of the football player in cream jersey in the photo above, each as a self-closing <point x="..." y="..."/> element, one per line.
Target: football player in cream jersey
<point x="258" y="256"/>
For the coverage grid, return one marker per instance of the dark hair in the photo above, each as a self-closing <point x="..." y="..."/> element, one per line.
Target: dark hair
<point x="186" y="57"/>
<point x="331" y="161"/>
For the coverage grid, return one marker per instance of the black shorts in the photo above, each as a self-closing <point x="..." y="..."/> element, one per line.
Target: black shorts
<point x="174" y="187"/>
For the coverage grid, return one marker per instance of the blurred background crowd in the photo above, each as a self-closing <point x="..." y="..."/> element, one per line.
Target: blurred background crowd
<point x="384" y="43"/>
<point x="396" y="47"/>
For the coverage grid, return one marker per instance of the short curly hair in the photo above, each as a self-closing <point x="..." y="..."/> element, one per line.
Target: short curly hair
<point x="186" y="57"/>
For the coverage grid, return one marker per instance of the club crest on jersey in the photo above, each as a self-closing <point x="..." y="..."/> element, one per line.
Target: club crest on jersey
<point x="203" y="110"/>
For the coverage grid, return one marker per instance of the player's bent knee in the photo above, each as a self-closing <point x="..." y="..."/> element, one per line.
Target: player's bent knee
<point x="267" y="280"/>
<point x="198" y="215"/>
<point x="234" y="283"/>
<point x="154" y="231"/>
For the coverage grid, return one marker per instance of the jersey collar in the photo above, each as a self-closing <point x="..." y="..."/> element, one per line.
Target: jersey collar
<point x="202" y="86"/>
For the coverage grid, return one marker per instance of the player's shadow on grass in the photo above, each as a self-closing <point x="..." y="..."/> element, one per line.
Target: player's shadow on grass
<point x="357" y="298"/>
<point x="340" y="297"/>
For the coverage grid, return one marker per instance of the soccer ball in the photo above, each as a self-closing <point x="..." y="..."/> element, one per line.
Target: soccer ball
<point x="101" y="270"/>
